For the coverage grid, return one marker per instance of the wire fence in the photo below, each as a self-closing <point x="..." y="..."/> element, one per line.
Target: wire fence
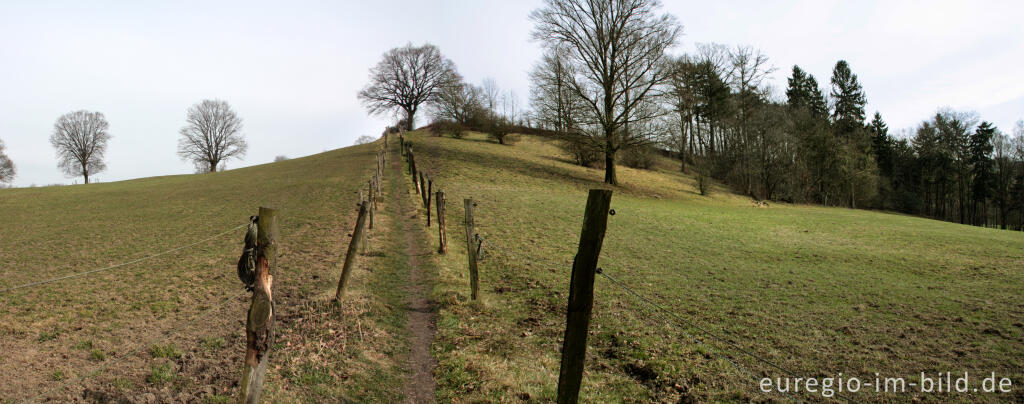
<point x="166" y="336"/>
<point x="135" y="261"/>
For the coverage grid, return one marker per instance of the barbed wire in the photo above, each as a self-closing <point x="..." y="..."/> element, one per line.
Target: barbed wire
<point x="135" y="261"/>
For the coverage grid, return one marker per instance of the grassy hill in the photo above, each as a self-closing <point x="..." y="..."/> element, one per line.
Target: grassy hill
<point x="812" y="289"/>
<point x="815" y="290"/>
<point x="172" y="326"/>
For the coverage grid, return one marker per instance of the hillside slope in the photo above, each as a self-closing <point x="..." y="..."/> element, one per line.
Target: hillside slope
<point x="814" y="290"/>
<point x="170" y="328"/>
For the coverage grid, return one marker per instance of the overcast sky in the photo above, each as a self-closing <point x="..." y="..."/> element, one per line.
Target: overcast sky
<point x="292" y="69"/>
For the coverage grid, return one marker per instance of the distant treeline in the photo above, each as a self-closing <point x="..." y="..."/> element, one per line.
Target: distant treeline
<point x="607" y="88"/>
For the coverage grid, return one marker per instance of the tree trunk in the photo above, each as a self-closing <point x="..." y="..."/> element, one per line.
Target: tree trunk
<point x="682" y="143"/>
<point x="609" y="168"/>
<point x="410" y="113"/>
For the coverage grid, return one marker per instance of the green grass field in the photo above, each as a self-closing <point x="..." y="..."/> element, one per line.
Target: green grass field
<point x="815" y="290"/>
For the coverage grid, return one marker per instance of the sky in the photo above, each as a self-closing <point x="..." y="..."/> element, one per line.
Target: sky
<point x="291" y="70"/>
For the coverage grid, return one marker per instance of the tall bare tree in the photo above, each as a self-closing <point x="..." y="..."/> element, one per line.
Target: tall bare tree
<point x="749" y="69"/>
<point x="405" y="79"/>
<point x="211" y="136"/>
<point x="615" y="52"/>
<point x="458" y="102"/>
<point x="6" y="166"/>
<point x="80" y="138"/>
<point x="491" y="93"/>
<point x="549" y="92"/>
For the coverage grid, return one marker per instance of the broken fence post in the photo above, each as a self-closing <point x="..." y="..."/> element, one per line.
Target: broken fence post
<point x="259" y="325"/>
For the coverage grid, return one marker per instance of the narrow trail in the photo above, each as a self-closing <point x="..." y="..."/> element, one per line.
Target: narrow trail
<point x="422" y="311"/>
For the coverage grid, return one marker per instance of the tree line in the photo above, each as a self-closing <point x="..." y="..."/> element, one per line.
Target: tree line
<point x="607" y="88"/>
<point x="211" y="136"/>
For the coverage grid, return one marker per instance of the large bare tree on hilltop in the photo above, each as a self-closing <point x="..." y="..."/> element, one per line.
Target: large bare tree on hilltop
<point x="80" y="138"/>
<point x="405" y="79"/>
<point x="212" y="135"/>
<point x="615" y="51"/>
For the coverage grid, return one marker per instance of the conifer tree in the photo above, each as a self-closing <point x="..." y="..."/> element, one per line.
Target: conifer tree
<point x="982" y="179"/>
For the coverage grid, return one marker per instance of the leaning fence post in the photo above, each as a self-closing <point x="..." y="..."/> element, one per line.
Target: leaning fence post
<point x="581" y="295"/>
<point x="442" y="239"/>
<point x="259" y="324"/>
<point x="350" y="255"/>
<point x="430" y="191"/>
<point x="423" y="189"/>
<point x="470" y="251"/>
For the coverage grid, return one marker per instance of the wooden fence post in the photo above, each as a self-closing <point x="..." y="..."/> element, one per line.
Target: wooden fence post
<point x="423" y="189"/>
<point x="412" y="161"/>
<point x="442" y="239"/>
<point x="415" y="183"/>
<point x="372" y="201"/>
<point x="474" y="283"/>
<point x="259" y="324"/>
<point x="581" y="295"/>
<point x="350" y="255"/>
<point x="430" y="193"/>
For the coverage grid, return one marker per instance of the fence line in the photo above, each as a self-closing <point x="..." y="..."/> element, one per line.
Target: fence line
<point x="60" y="278"/>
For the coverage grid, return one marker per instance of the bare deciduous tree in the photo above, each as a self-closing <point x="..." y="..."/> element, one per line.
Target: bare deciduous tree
<point x="550" y="97"/>
<point x="458" y="102"/>
<point x="280" y="158"/>
<point x="491" y="93"/>
<point x="615" y="53"/>
<point x="80" y="138"/>
<point x="6" y="166"/>
<point x="405" y="79"/>
<point x="364" y="139"/>
<point x="211" y="136"/>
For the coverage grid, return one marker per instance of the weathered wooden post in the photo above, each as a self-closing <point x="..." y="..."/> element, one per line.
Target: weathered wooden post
<point x="581" y="295"/>
<point x="423" y="189"/>
<point x="401" y="145"/>
<point x="442" y="238"/>
<point x="474" y="283"/>
<point x="350" y="255"/>
<point x="412" y="160"/>
<point x="372" y="201"/>
<point x="259" y="324"/>
<point x="415" y="183"/>
<point x="430" y="192"/>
